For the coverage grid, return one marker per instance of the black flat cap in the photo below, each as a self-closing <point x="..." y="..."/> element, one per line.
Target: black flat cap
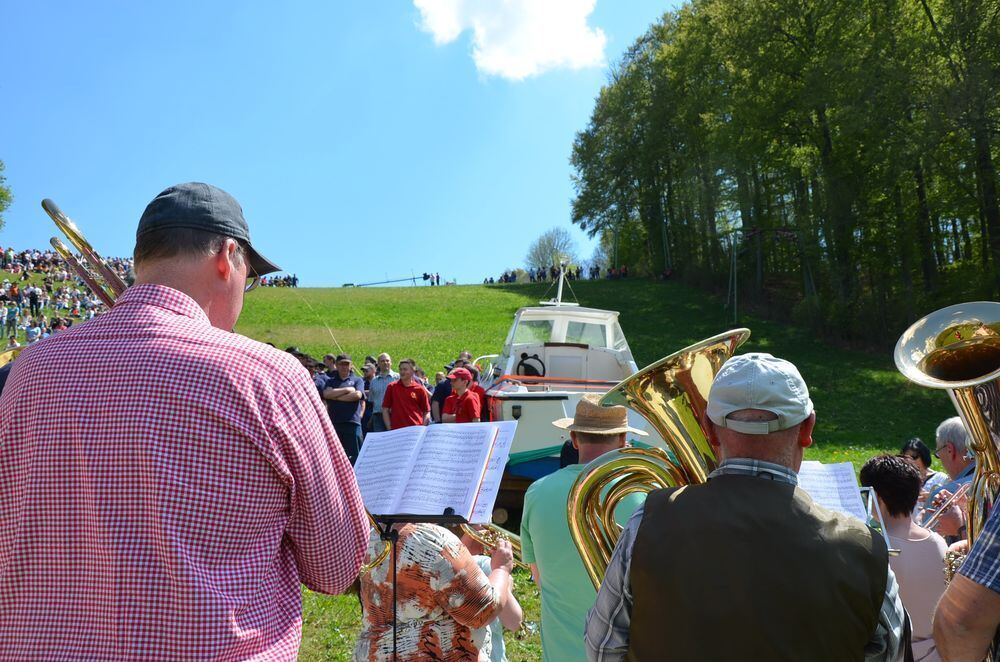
<point x="202" y="207"/>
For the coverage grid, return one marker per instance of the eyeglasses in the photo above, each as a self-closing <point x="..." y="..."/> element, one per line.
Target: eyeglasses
<point x="252" y="281"/>
<point x="937" y="451"/>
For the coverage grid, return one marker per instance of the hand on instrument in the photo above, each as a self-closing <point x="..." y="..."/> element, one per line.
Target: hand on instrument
<point x="940" y="498"/>
<point x="951" y="521"/>
<point x="502" y="557"/>
<point x="961" y="547"/>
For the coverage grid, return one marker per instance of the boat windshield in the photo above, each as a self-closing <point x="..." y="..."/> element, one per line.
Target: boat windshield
<point x="593" y="332"/>
<point x="533" y="331"/>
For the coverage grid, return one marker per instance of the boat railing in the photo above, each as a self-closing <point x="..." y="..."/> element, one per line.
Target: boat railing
<point x="555" y="383"/>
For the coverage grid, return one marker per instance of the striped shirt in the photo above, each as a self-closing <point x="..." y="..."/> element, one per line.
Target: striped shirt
<point x="609" y="620"/>
<point x="377" y="389"/>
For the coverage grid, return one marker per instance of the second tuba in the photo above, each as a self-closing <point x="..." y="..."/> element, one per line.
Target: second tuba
<point x="672" y="395"/>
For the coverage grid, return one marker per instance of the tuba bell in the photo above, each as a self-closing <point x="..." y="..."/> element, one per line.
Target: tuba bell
<point x="957" y="349"/>
<point x="672" y="395"/>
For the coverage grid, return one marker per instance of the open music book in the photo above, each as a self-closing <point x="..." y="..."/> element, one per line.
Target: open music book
<point x="425" y="470"/>
<point x="833" y="486"/>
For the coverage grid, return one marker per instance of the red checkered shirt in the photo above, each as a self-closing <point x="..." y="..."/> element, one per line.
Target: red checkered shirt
<point x="164" y="488"/>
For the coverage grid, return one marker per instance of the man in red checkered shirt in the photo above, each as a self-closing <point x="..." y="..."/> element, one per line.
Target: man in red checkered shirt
<point x="167" y="501"/>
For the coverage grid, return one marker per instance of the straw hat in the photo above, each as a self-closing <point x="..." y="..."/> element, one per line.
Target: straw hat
<point x="595" y="419"/>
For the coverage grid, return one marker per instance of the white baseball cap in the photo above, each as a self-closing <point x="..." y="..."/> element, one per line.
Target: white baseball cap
<point x="759" y="381"/>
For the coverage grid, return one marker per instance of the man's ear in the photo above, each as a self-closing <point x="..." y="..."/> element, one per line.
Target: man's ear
<point x="806" y="431"/>
<point x="572" y="437"/>
<point x="225" y="259"/>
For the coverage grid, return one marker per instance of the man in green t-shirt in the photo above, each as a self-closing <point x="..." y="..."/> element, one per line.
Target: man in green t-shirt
<point x="567" y="592"/>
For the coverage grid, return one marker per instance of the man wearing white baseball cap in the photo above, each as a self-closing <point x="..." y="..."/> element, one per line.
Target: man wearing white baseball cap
<point x="747" y="565"/>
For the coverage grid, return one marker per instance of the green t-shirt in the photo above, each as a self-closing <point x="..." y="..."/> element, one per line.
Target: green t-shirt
<point x="567" y="592"/>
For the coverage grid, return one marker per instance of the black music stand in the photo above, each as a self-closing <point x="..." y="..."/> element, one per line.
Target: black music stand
<point x="390" y="535"/>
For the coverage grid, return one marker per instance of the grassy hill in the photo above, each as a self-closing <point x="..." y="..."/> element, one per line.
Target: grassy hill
<point x="863" y="404"/>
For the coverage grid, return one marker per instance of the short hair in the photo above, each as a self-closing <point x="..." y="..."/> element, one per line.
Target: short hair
<point x="916" y="445"/>
<point x="896" y="481"/>
<point x="413" y="364"/>
<point x="596" y="437"/>
<point x="953" y="430"/>
<point x="171" y="242"/>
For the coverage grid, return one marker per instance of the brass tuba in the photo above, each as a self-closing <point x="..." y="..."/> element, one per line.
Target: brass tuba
<point x="672" y="395"/>
<point x="957" y="349"/>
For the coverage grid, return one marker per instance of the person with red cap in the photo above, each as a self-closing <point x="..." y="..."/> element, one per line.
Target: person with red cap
<point x="463" y="405"/>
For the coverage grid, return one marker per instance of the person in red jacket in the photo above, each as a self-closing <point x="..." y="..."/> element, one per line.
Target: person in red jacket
<point x="463" y="405"/>
<point x="406" y="401"/>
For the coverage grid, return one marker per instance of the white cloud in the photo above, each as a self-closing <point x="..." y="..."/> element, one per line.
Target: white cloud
<point x="516" y="39"/>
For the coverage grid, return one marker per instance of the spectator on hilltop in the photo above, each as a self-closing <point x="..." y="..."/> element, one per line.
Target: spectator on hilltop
<point x="12" y="343"/>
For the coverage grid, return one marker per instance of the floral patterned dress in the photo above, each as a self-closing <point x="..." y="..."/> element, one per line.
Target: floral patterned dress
<point x="445" y="602"/>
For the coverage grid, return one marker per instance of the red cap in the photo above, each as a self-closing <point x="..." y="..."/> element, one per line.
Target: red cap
<point x="460" y="373"/>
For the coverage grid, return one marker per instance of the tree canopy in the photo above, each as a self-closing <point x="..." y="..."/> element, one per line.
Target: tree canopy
<point x="5" y="195"/>
<point x="844" y="150"/>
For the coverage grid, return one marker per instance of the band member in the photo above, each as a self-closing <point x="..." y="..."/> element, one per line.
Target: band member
<point x="968" y="615"/>
<point x="748" y="566"/>
<point x="449" y="601"/>
<point x="168" y="501"/>
<point x="462" y="406"/>
<point x="952" y="448"/>
<point x="546" y="545"/>
<point x="918" y="566"/>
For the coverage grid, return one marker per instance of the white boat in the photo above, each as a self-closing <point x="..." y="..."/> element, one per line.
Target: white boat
<point x="554" y="353"/>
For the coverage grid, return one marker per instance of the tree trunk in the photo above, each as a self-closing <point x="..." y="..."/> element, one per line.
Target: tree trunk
<point x="838" y="204"/>
<point x="924" y="240"/>
<point x="986" y="174"/>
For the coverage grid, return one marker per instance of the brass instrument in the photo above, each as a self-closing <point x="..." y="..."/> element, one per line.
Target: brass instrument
<point x="931" y="521"/>
<point x="380" y="557"/>
<point x="8" y="355"/>
<point x="489" y="536"/>
<point x="957" y="349"/>
<point x="672" y="395"/>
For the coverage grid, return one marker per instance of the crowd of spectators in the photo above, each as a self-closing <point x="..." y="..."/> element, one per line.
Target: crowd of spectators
<point x="542" y="275"/>
<point x="279" y="281"/>
<point x="39" y="296"/>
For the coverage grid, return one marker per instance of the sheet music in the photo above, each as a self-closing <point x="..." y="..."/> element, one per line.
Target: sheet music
<point x="482" y="513"/>
<point x="447" y="469"/>
<point x="833" y="486"/>
<point x="383" y="467"/>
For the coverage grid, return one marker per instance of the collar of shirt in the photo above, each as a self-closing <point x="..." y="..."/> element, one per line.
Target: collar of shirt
<point x="388" y="375"/>
<point x="150" y="294"/>
<point x="968" y="471"/>
<point x="743" y="466"/>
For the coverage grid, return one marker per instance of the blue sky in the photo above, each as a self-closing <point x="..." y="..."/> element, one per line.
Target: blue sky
<point x="364" y="140"/>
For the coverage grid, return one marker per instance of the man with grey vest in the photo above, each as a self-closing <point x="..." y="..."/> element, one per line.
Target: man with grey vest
<point x="746" y="566"/>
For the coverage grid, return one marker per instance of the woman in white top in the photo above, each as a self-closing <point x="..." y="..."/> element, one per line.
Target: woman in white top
<point x="919" y="568"/>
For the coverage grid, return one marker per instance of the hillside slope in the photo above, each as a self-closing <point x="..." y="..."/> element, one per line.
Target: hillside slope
<point x="863" y="404"/>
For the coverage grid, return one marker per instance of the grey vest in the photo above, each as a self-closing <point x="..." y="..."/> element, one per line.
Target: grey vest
<point x="745" y="568"/>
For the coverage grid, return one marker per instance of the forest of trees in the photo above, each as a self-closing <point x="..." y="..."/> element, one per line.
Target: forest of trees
<point x="844" y="149"/>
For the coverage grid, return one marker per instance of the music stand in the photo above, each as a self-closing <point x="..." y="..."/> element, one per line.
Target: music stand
<point x="390" y="535"/>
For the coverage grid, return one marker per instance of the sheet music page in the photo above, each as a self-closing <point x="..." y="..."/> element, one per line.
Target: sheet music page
<point x="482" y="512"/>
<point x="833" y="486"/>
<point x="448" y="468"/>
<point x="384" y="465"/>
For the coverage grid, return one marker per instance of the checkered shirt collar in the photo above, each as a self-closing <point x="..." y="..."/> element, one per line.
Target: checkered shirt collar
<point x="151" y="294"/>
<point x="742" y="466"/>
